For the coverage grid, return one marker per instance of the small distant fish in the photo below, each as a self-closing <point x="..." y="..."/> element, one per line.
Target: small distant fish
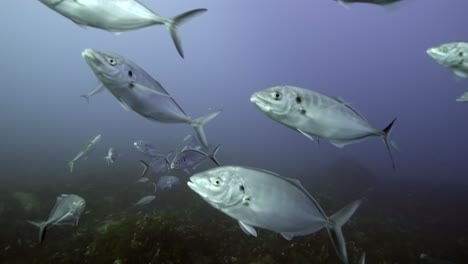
<point x="166" y="182"/>
<point x="453" y="56"/>
<point x="344" y="3"/>
<point x="158" y="165"/>
<point x="147" y="148"/>
<point x="190" y="158"/>
<point x="97" y="90"/>
<point x="119" y="16"/>
<point x="85" y="150"/>
<point x="67" y="211"/>
<point x="431" y="260"/>
<point x="145" y="200"/>
<point x="136" y="90"/>
<point x="318" y="116"/>
<point x="259" y="198"/>
<point x="463" y="98"/>
<point x="112" y="155"/>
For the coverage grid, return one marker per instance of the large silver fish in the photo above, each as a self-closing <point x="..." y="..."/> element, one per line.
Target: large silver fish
<point x="258" y="198"/>
<point x="318" y="116"/>
<point x="85" y="150"/>
<point x="137" y="90"/>
<point x="119" y="16"/>
<point x="453" y="56"/>
<point x="67" y="211"/>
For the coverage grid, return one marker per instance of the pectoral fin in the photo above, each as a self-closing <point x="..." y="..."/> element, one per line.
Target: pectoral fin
<point x="248" y="230"/>
<point x="124" y="105"/>
<point x="305" y="134"/>
<point x="146" y="89"/>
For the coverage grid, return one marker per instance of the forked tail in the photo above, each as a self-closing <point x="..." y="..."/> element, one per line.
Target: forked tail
<point x="172" y="25"/>
<point x="198" y="123"/>
<point x="42" y="229"/>
<point x="386" y="138"/>
<point x="336" y="221"/>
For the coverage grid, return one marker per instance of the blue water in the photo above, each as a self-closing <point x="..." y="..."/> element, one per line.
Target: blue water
<point x="372" y="57"/>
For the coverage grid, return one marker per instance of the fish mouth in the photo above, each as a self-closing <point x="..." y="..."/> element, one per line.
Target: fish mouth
<point x="89" y="55"/>
<point x="260" y="102"/>
<point x="433" y="53"/>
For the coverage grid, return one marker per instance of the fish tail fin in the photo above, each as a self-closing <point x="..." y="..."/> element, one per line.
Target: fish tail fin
<point x="198" y="123"/>
<point x="386" y="139"/>
<point x="362" y="260"/>
<point x="86" y="97"/>
<point x="336" y="221"/>
<point x="42" y="229"/>
<point x="173" y="26"/>
<point x="145" y="169"/>
<point x="71" y="165"/>
<point x="213" y="155"/>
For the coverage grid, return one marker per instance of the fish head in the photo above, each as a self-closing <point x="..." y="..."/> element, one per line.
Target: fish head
<point x="221" y="187"/>
<point x="110" y="68"/>
<point x="448" y="55"/>
<point x="96" y="139"/>
<point x="139" y="144"/>
<point x="275" y="101"/>
<point x="78" y="205"/>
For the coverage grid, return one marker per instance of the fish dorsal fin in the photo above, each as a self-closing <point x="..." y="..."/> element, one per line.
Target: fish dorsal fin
<point x="347" y="105"/>
<point x="248" y="230"/>
<point x="268" y="172"/>
<point x="299" y="185"/>
<point x="57" y="202"/>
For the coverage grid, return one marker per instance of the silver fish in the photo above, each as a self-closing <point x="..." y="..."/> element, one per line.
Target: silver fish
<point x="258" y="198"/>
<point x="318" y="116"/>
<point x="112" y="155"/>
<point x="166" y="182"/>
<point x="97" y="90"/>
<point x="145" y="200"/>
<point x="147" y="148"/>
<point x="67" y="211"/>
<point x="159" y="165"/>
<point x="190" y="158"/>
<point x="453" y="56"/>
<point x="463" y="98"/>
<point x="85" y="150"/>
<point x="137" y="90"/>
<point x="119" y="16"/>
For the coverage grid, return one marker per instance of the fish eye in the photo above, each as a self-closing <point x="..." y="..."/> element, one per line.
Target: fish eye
<point x="460" y="54"/>
<point x="276" y="95"/>
<point x="111" y="61"/>
<point x="130" y="73"/>
<point x="298" y="100"/>
<point x="217" y="181"/>
<point x="242" y="188"/>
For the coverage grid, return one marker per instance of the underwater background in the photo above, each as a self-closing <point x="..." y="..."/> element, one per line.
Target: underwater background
<point x="372" y="57"/>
